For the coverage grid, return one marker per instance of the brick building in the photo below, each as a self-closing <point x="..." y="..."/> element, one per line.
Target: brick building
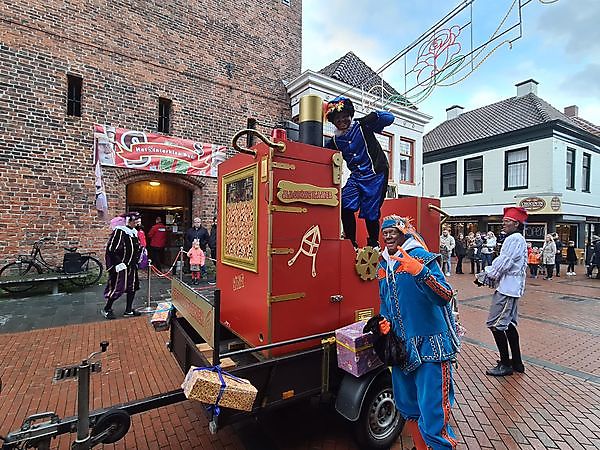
<point x="214" y="63"/>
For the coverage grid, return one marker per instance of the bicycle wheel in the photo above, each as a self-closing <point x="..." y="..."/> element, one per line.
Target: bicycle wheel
<point x="92" y="269"/>
<point x="18" y="272"/>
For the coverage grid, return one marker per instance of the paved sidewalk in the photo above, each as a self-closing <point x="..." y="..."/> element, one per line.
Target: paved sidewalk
<point x="555" y="404"/>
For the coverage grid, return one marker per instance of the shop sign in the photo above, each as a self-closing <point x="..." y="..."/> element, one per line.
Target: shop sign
<point x="290" y="192"/>
<point x="120" y="147"/>
<point x="541" y="204"/>
<point x="533" y="203"/>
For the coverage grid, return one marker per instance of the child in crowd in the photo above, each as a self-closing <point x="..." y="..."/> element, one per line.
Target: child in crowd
<point x="197" y="260"/>
<point x="533" y="259"/>
<point x="571" y="258"/>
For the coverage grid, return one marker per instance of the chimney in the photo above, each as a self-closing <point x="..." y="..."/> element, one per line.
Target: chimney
<point x="527" y="87"/>
<point x="453" y="112"/>
<point x="572" y="111"/>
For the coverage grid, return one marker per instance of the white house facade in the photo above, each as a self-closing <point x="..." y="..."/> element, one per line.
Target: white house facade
<point x="402" y="141"/>
<point x="520" y="151"/>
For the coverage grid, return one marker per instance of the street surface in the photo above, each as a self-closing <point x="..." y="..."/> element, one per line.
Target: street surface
<point x="555" y="404"/>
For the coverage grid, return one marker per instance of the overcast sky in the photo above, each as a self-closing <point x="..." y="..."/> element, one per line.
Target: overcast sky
<point x="559" y="47"/>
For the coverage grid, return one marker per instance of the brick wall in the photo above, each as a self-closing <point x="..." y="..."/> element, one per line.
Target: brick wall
<point x="129" y="53"/>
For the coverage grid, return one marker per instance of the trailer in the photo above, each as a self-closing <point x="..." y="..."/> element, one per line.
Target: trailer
<point x="286" y="280"/>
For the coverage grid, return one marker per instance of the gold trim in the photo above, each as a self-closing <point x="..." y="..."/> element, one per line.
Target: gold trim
<point x="286" y="297"/>
<point x="290" y="192"/>
<point x="284" y="166"/>
<point x="363" y="314"/>
<point x="264" y="169"/>
<point x="337" y="168"/>
<point x="311" y="109"/>
<point x="282" y="251"/>
<point x="328" y="341"/>
<point x="289" y="209"/>
<point x="250" y="264"/>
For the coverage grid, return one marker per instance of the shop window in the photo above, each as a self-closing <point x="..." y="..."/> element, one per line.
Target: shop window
<point x="571" y="168"/>
<point x="74" y="88"/>
<point x="474" y="175"/>
<point x="406" y="161"/>
<point x="386" y="141"/>
<point x="585" y="172"/>
<point x="516" y="168"/>
<point x="535" y="233"/>
<point x="448" y="179"/>
<point x="567" y="232"/>
<point x="164" y="115"/>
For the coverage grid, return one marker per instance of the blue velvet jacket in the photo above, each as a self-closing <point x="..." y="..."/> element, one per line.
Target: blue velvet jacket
<point x="419" y="307"/>
<point x="359" y="146"/>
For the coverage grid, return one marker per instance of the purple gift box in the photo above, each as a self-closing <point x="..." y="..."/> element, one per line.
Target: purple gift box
<point x="355" y="352"/>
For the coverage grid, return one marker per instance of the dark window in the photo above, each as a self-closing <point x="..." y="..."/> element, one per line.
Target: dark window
<point x="164" y="115"/>
<point x="74" y="84"/>
<point x="474" y="175"/>
<point x="571" y="168"/>
<point x="585" y="173"/>
<point x="516" y="168"/>
<point x="448" y="179"/>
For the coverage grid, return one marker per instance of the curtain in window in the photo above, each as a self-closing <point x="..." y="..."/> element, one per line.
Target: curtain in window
<point x="517" y="168"/>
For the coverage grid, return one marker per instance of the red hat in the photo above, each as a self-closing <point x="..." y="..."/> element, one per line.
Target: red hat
<point x="515" y="213"/>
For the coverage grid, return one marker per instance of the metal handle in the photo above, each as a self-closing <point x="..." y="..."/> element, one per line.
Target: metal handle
<point x="444" y="215"/>
<point x="280" y="146"/>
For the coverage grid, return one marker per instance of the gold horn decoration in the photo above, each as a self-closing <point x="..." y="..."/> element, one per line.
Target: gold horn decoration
<point x="279" y="146"/>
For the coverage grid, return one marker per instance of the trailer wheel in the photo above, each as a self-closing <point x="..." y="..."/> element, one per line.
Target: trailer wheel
<point x="117" y="420"/>
<point x="379" y="423"/>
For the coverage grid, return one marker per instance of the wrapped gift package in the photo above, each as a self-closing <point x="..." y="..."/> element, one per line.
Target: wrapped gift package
<point x="355" y="353"/>
<point x="162" y="316"/>
<point x="204" y="385"/>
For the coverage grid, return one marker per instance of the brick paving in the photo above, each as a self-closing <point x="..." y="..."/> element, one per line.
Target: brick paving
<point x="555" y="404"/>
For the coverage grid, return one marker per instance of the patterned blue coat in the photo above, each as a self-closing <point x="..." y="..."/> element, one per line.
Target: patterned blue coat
<point x="419" y="307"/>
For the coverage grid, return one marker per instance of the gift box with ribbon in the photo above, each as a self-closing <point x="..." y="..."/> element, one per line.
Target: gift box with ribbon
<point x="214" y="386"/>
<point x="161" y="317"/>
<point x="355" y="353"/>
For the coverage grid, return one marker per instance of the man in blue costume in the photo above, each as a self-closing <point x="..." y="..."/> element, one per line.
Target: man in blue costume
<point x="366" y="188"/>
<point x="416" y="305"/>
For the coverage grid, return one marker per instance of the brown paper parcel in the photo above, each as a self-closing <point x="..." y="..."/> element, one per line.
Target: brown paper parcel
<point x="204" y="386"/>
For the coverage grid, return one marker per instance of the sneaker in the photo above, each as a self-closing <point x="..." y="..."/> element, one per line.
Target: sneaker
<point x="447" y="274"/>
<point x="133" y="313"/>
<point x="501" y="370"/>
<point x="109" y="315"/>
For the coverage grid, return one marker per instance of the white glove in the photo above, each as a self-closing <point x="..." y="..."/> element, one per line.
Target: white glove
<point x="120" y="267"/>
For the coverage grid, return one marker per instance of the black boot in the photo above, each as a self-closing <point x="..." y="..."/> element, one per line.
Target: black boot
<point x="503" y="368"/>
<point x="513" y="340"/>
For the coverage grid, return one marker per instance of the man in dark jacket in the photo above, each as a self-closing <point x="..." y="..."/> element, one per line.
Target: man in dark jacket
<point x="197" y="232"/>
<point x="592" y="256"/>
<point x="212" y="240"/>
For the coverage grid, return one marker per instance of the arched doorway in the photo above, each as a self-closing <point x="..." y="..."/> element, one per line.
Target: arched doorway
<point x="171" y="201"/>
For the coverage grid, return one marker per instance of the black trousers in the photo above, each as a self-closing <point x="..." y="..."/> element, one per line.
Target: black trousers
<point x="459" y="260"/>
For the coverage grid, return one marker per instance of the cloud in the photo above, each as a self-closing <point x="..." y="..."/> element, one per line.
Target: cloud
<point x="586" y="82"/>
<point x="573" y="25"/>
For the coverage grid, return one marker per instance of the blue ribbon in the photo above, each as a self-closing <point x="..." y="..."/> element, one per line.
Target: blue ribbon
<point x="214" y="408"/>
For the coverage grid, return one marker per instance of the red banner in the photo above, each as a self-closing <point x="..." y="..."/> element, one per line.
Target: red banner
<point x="132" y="149"/>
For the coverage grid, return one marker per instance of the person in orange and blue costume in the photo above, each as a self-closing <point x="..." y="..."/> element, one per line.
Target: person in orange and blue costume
<point x="366" y="187"/>
<point x="416" y="305"/>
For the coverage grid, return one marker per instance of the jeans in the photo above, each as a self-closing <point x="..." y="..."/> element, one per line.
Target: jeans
<point x="486" y="260"/>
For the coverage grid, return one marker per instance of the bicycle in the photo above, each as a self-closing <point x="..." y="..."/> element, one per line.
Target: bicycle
<point x="28" y="266"/>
